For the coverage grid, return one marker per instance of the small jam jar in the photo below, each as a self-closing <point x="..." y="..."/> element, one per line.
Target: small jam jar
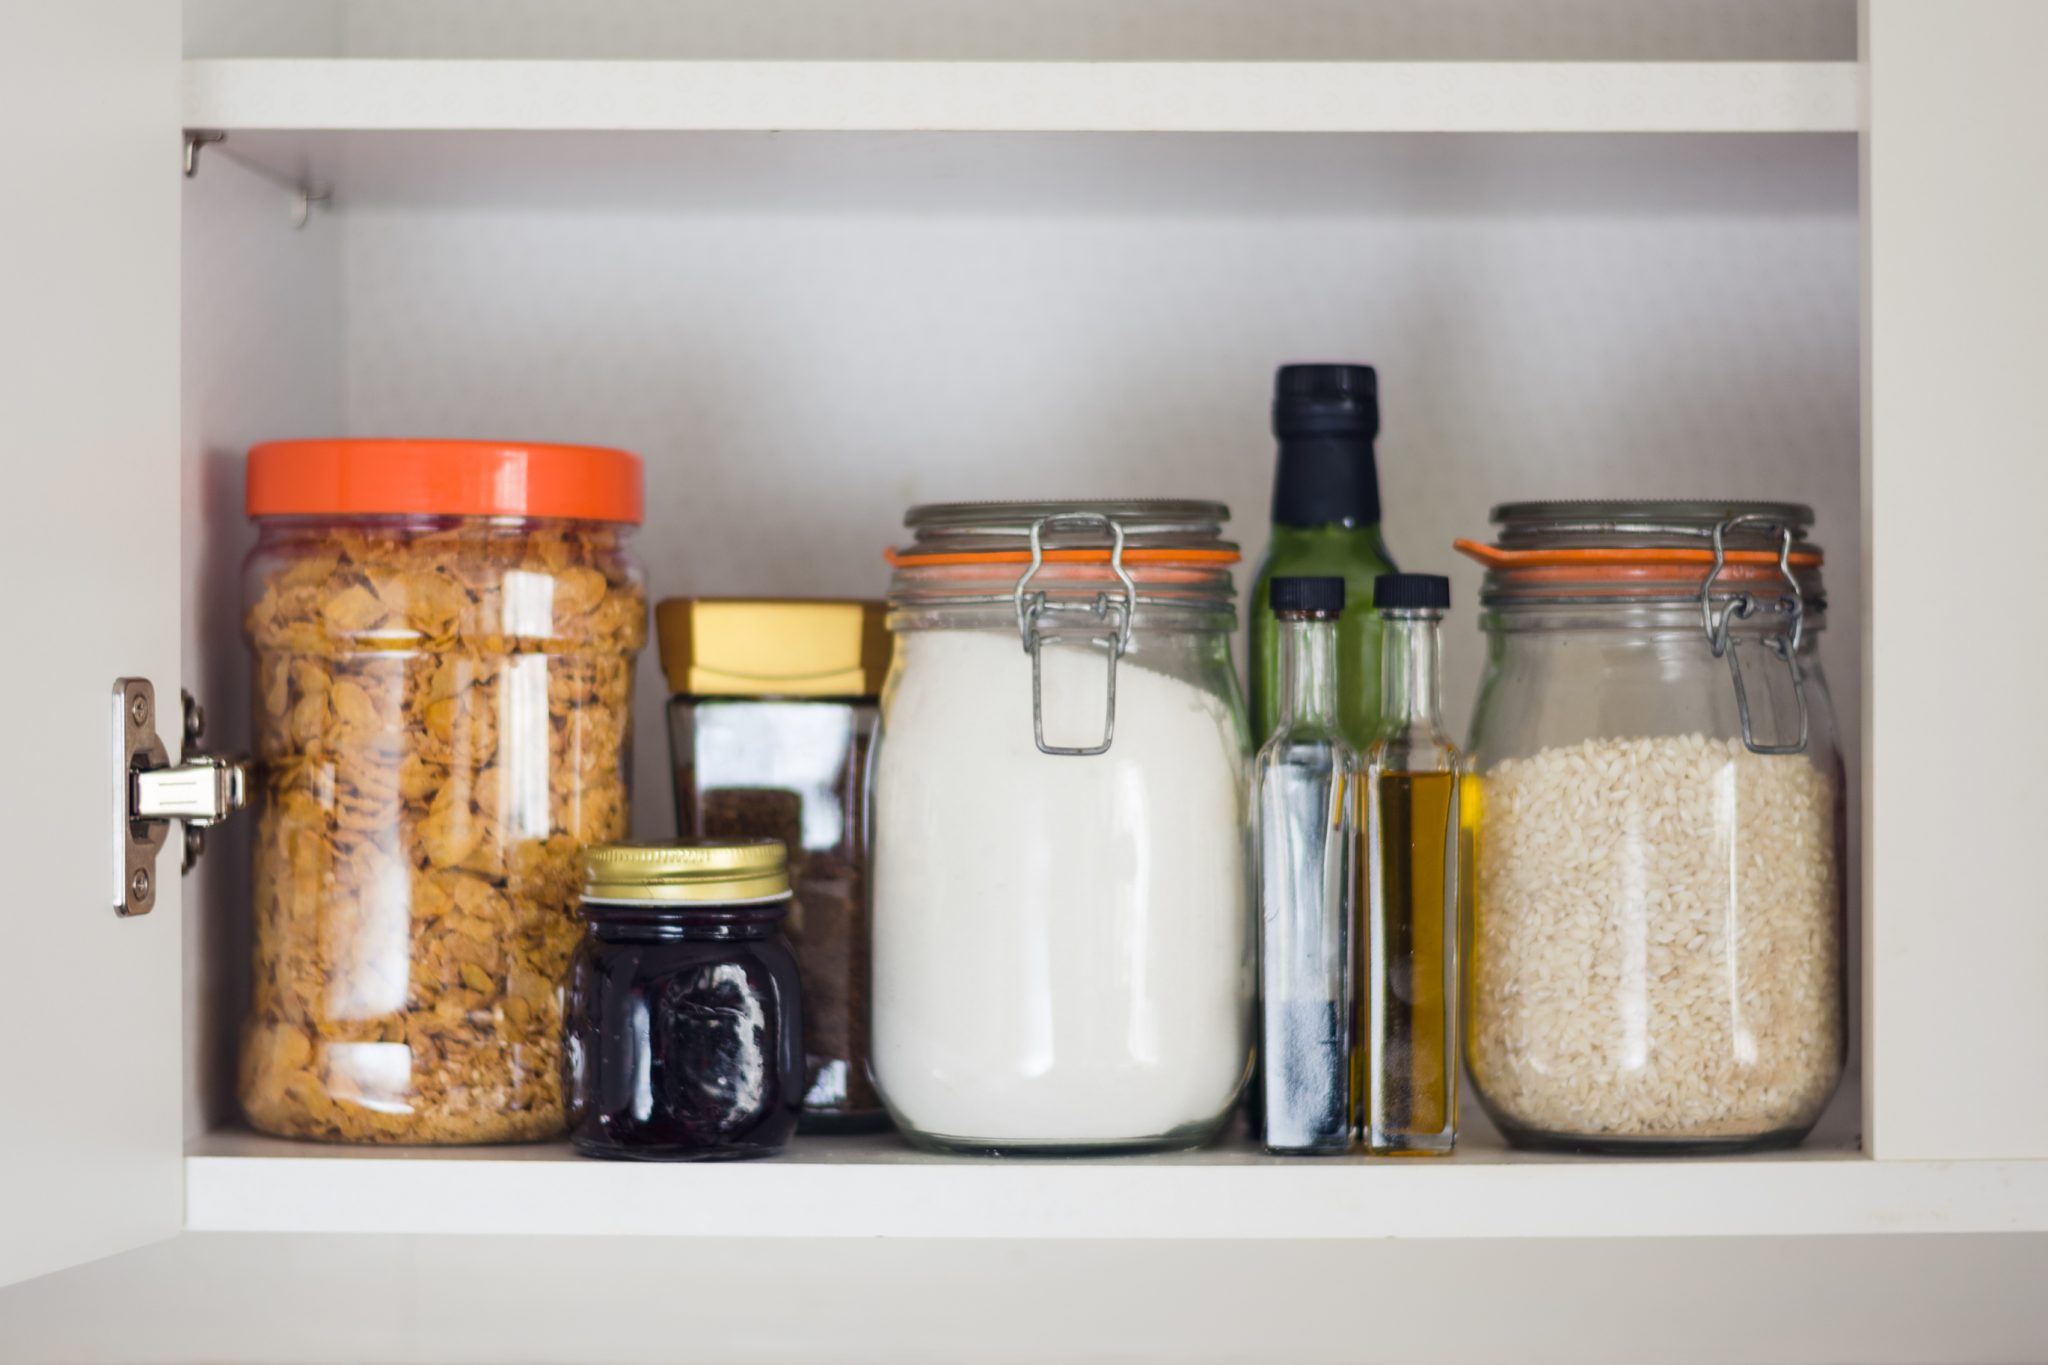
<point x="685" y="1023"/>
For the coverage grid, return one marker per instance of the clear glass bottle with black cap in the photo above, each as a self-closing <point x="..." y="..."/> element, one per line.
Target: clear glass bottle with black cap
<point x="1417" y="876"/>
<point x="1305" y="780"/>
<point x="1326" y="522"/>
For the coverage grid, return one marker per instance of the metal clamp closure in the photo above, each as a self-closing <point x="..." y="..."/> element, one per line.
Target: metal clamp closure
<point x="1741" y="606"/>
<point x="1037" y="610"/>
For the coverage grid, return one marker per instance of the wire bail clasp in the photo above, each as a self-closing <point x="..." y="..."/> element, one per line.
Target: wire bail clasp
<point x="1036" y="609"/>
<point x="1741" y="606"/>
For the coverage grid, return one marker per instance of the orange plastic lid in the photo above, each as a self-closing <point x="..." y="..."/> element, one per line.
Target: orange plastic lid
<point x="371" y="477"/>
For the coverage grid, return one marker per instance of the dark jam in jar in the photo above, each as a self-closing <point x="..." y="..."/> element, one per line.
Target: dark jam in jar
<point x="685" y="1029"/>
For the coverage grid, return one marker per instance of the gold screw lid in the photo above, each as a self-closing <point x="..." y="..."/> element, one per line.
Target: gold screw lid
<point x="672" y="872"/>
<point x="773" y="647"/>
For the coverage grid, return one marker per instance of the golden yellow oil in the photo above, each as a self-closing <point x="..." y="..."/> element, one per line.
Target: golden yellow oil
<point x="1412" y="928"/>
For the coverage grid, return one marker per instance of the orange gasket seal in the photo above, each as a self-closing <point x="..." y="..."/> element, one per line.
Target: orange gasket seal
<point x="1667" y="557"/>
<point x="1190" y="558"/>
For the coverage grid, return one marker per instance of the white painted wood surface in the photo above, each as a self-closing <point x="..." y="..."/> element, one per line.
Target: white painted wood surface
<point x="878" y="1188"/>
<point x="1043" y="30"/>
<point x="90" y="1146"/>
<point x="1956" y="293"/>
<point x="1424" y="97"/>
<point x="251" y="1299"/>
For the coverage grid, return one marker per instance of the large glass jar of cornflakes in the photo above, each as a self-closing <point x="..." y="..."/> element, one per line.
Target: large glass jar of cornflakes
<point x="444" y="636"/>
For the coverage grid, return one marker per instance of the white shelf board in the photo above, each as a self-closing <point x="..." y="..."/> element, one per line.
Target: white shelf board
<point x="877" y="1187"/>
<point x="1050" y="96"/>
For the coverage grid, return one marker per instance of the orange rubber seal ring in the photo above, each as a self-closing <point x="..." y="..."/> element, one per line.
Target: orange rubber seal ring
<point x="1494" y="557"/>
<point x="1641" y="577"/>
<point x="1165" y="557"/>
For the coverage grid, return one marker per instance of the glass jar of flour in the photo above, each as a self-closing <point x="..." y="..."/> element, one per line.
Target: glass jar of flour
<point x="1064" y="950"/>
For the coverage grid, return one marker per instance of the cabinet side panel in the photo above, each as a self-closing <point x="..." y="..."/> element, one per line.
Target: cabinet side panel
<point x="1957" y="210"/>
<point x="90" y="1154"/>
<point x="262" y="360"/>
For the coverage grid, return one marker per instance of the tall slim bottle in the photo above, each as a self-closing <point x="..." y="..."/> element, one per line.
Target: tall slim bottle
<point x="1305" y="782"/>
<point x="1326" y="522"/>
<point x="1417" y="870"/>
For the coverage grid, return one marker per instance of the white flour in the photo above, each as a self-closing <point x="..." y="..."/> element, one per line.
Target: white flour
<point x="1063" y="951"/>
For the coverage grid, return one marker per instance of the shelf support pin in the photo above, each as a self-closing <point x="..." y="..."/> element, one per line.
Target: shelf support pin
<point x="195" y="138"/>
<point x="306" y="193"/>
<point x="304" y="197"/>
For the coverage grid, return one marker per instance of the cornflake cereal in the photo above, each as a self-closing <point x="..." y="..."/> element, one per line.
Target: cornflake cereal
<point x="441" y="725"/>
<point x="1656" y="943"/>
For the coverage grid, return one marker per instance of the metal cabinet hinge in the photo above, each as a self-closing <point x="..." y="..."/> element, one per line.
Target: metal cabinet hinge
<point x="200" y="791"/>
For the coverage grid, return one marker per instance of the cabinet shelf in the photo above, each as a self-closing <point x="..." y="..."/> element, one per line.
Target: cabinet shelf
<point x="877" y="1187"/>
<point x="1047" y="96"/>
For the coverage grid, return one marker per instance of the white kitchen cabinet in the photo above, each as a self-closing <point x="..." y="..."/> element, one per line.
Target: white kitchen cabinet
<point x="90" y="1161"/>
<point x="817" y="262"/>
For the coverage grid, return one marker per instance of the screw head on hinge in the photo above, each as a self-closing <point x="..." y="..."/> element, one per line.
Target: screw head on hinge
<point x="138" y="709"/>
<point x="138" y="885"/>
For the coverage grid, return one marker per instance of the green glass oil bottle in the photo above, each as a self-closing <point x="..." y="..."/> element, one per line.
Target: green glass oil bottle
<point x="1326" y="523"/>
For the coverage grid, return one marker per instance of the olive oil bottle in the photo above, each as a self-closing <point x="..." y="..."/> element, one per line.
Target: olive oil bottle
<point x="1416" y="868"/>
<point x="1326" y="522"/>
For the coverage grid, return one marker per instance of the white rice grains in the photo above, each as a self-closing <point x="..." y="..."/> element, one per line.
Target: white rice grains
<point x="1656" y="941"/>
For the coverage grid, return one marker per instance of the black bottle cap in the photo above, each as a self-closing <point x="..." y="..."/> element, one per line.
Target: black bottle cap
<point x="1411" y="591"/>
<point x="1320" y="596"/>
<point x="1315" y="400"/>
<point x="1326" y="417"/>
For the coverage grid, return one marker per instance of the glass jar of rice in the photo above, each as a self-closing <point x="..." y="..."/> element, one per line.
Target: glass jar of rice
<point x="1656" y="957"/>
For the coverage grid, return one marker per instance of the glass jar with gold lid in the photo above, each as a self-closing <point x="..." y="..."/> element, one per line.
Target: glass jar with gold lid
<point x="771" y="724"/>
<point x="685" y="1013"/>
